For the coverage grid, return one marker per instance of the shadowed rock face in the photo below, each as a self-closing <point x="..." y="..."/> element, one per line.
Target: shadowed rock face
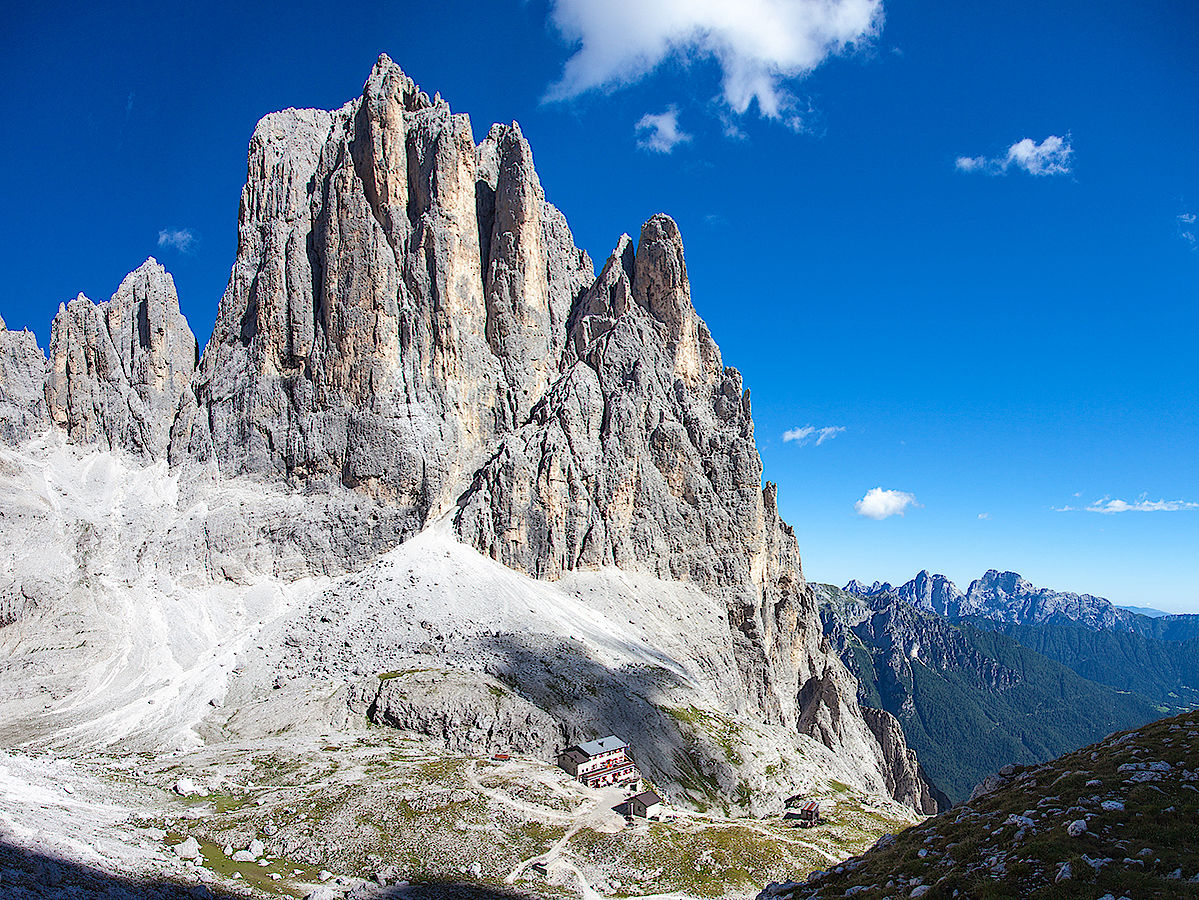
<point x="469" y="713"/>
<point x="905" y="781"/>
<point x="409" y="319"/>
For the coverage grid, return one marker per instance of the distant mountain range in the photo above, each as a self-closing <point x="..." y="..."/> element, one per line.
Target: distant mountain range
<point x="970" y="700"/>
<point x="1006" y="672"/>
<point x="1007" y="597"/>
<point x="1145" y="611"/>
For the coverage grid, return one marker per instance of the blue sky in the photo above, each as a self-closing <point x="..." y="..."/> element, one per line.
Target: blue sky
<point x="1005" y="332"/>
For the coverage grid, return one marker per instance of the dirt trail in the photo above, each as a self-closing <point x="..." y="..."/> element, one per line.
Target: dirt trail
<point x="523" y="806"/>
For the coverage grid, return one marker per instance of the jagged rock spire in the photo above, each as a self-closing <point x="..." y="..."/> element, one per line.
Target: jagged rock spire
<point x="118" y="370"/>
<point x="22" y="386"/>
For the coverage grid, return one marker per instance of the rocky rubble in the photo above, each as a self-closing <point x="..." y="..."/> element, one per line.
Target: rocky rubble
<point x="467" y="713"/>
<point x="373" y="813"/>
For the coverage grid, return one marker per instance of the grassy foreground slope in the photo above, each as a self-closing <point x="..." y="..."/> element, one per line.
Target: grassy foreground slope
<point x="1115" y="819"/>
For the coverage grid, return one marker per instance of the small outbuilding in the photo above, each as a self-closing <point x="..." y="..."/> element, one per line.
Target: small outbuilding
<point x="647" y="805"/>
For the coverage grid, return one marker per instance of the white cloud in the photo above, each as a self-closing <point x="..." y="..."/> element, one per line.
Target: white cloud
<point x="971" y="163"/>
<point x="730" y="126"/>
<point x="1186" y="229"/>
<point x="879" y="504"/>
<point x="758" y="44"/>
<point x="827" y="434"/>
<point x="984" y="515"/>
<point x="181" y="239"/>
<point x="660" y="131"/>
<point x="806" y="433"/>
<point x="798" y="434"/>
<point x="1050" y="157"/>
<point x="1053" y="156"/>
<point x="1108" y="506"/>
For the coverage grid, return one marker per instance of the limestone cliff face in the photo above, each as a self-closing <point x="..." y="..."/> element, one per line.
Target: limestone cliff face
<point x="642" y="456"/>
<point x="397" y="301"/>
<point x="118" y="370"/>
<point x="905" y="780"/>
<point x="409" y="322"/>
<point x="22" y="386"/>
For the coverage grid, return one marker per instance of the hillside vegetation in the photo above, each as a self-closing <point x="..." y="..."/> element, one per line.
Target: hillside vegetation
<point x="970" y="700"/>
<point x="1114" y="819"/>
<point x="1165" y="670"/>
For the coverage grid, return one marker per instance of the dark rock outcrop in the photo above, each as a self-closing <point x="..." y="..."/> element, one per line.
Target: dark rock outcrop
<point x="468" y="712"/>
<point x="905" y="780"/>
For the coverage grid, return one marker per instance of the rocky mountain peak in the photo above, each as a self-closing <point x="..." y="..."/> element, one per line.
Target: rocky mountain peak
<point x="934" y="593"/>
<point x="409" y="335"/>
<point x="118" y="370"/>
<point x="1003" y="597"/>
<point x="661" y="286"/>
<point x="22" y="386"/>
<point x="1007" y="597"/>
<point x="398" y="302"/>
<point x="863" y="590"/>
<point x="1005" y="582"/>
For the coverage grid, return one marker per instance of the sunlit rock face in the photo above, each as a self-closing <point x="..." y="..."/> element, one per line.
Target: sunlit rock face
<point x="118" y="371"/>
<point x="398" y="301"/>
<point x="22" y="386"/>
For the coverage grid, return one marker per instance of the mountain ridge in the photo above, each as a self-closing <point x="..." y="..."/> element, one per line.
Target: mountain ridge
<point x="1007" y="597"/>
